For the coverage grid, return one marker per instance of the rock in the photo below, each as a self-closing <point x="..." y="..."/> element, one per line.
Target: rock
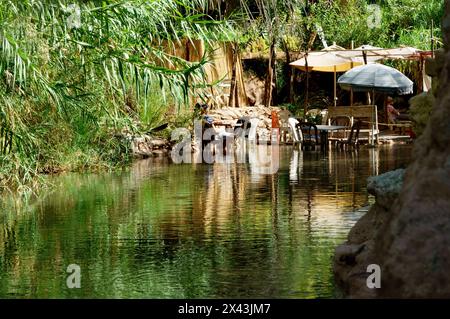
<point x="346" y="254"/>
<point x="254" y="88"/>
<point x="159" y="152"/>
<point x="146" y="146"/>
<point x="420" y="110"/>
<point x="431" y="67"/>
<point x="158" y="142"/>
<point x="386" y="187"/>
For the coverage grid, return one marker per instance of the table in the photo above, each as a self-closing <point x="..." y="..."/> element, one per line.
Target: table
<point x="324" y="129"/>
<point x="224" y="123"/>
<point x="328" y="128"/>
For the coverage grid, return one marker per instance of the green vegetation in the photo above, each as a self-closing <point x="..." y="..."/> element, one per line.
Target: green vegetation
<point x="76" y="76"/>
<point x="295" y="27"/>
<point x="401" y="22"/>
<point x="397" y="23"/>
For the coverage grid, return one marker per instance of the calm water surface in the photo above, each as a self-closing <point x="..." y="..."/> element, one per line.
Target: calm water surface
<point x="163" y="230"/>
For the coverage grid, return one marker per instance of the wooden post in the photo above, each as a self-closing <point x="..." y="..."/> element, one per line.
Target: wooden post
<point x="305" y="108"/>
<point x="334" y="87"/>
<point x="420" y="79"/>
<point x="376" y="123"/>
<point x="373" y="119"/>
<point x="270" y="75"/>
<point x="365" y="62"/>
<point x="291" y="86"/>
<point x="233" y="86"/>
<point x="351" y="96"/>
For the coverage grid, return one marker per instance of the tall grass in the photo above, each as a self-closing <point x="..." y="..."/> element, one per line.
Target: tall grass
<point x="75" y="74"/>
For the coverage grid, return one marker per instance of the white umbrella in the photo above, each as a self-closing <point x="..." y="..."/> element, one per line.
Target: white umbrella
<point x="376" y="78"/>
<point x="325" y="61"/>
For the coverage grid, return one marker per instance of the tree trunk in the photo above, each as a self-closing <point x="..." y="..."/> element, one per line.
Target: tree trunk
<point x="233" y="87"/>
<point x="269" y="77"/>
<point x="291" y="85"/>
<point x="312" y="38"/>
<point x="237" y="63"/>
<point x="274" y="97"/>
<point x="289" y="72"/>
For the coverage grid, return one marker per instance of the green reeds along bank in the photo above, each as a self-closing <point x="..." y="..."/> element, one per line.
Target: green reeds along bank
<point x="74" y="76"/>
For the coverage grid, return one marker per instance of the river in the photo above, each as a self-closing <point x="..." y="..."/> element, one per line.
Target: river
<point x="164" y="230"/>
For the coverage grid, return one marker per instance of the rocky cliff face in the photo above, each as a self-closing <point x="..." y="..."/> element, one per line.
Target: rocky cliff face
<point x="408" y="236"/>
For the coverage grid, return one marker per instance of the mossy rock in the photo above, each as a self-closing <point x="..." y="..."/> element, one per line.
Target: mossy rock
<point x="420" y="110"/>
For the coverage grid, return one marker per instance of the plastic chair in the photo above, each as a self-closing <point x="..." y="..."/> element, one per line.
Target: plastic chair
<point x="340" y="121"/>
<point x="310" y="135"/>
<point x="283" y="117"/>
<point x="242" y="126"/>
<point x="353" y="138"/>
<point x="252" y="133"/>
<point x="295" y="132"/>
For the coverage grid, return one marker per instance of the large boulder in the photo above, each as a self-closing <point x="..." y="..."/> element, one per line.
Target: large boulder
<point x="352" y="258"/>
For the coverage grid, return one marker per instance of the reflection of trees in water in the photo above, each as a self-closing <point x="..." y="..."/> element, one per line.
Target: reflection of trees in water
<point x="192" y="230"/>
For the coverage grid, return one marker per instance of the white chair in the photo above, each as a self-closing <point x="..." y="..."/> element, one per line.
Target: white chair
<point x="324" y="114"/>
<point x="252" y="133"/>
<point x="225" y="134"/>
<point x="283" y="118"/>
<point x="296" y="134"/>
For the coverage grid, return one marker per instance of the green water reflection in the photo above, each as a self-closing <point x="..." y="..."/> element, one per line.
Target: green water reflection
<point x="162" y="230"/>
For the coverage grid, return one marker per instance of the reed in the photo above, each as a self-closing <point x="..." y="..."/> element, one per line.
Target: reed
<point x="75" y="74"/>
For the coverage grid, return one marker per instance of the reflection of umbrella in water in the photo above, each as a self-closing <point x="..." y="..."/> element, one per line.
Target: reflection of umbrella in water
<point x="325" y="61"/>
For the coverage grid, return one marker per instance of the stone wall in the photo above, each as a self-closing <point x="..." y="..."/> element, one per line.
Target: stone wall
<point x="232" y="114"/>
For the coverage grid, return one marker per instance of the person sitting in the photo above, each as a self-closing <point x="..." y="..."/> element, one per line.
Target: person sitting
<point x="394" y="115"/>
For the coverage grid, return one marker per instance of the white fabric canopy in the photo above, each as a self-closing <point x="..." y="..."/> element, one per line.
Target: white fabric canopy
<point x="324" y="61"/>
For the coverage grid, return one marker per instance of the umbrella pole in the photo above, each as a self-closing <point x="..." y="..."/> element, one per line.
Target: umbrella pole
<point x="307" y="86"/>
<point x="351" y="96"/>
<point x="372" y="142"/>
<point x="335" y="102"/>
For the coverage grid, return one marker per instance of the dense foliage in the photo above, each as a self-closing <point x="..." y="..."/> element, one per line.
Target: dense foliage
<point x="386" y="23"/>
<point x="74" y="75"/>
